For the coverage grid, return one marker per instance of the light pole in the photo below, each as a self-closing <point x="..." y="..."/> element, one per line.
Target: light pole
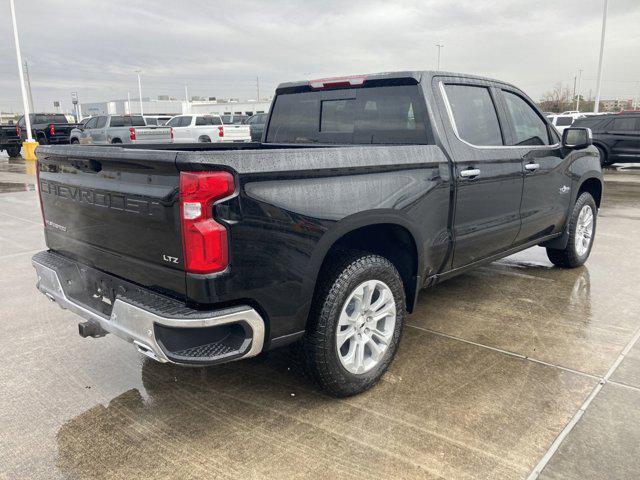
<point x="138" y="72"/>
<point x="440" y="47"/>
<point x="29" y="144"/>
<point x="596" y="107"/>
<point x="578" y="92"/>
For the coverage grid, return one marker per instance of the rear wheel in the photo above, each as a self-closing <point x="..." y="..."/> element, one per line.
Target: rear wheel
<point x="582" y="228"/>
<point x="355" y="324"/>
<point x="204" y="139"/>
<point x="74" y="141"/>
<point x="116" y="140"/>
<point x="14" y="151"/>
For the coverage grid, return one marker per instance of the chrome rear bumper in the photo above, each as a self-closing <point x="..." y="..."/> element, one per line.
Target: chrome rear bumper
<point x="137" y="324"/>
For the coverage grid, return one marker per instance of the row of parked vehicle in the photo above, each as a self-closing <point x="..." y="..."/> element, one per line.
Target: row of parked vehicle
<point x="57" y="128"/>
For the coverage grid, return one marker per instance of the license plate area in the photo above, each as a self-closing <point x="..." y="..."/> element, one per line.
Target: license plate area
<point x="91" y="288"/>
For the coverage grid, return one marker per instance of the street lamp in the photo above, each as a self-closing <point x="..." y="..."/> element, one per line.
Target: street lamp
<point x="596" y="107"/>
<point x="29" y="145"/>
<point x="578" y="93"/>
<point x="138" y="72"/>
<point x="440" y="47"/>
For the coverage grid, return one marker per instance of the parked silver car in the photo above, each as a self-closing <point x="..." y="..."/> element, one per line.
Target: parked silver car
<point x="110" y="129"/>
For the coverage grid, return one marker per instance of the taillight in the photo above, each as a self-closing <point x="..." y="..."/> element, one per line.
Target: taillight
<point x="171" y="133"/>
<point x="132" y="133"/>
<point x="206" y="247"/>
<point x="221" y="131"/>
<point x="52" y="129"/>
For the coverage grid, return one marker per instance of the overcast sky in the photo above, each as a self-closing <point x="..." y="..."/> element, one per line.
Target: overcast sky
<point x="218" y="47"/>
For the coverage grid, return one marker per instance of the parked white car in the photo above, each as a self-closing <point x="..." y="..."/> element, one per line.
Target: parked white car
<point x="563" y="120"/>
<point x="205" y="129"/>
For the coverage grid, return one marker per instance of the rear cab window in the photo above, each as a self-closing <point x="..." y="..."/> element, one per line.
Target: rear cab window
<point x="50" y="118"/>
<point x="564" y="121"/>
<point x="366" y="115"/>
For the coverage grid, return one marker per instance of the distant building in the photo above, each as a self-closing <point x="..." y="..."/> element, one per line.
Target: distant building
<point x="615" y="105"/>
<point x="175" y="107"/>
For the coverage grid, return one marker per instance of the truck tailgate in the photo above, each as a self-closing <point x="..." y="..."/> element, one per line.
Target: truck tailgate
<point x="153" y="134"/>
<point x="115" y="210"/>
<point x="235" y="133"/>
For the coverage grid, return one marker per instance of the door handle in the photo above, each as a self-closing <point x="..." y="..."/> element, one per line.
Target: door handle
<point x="532" y="167"/>
<point x="472" y="172"/>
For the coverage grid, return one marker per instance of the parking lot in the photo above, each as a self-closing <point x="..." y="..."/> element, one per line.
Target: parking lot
<point x="495" y="368"/>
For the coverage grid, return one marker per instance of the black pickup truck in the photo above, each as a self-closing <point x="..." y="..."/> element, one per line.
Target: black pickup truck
<point x="365" y="190"/>
<point x="10" y="140"/>
<point x="47" y="128"/>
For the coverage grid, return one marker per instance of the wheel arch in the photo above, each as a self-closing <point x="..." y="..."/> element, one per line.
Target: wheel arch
<point x="593" y="185"/>
<point x="379" y="233"/>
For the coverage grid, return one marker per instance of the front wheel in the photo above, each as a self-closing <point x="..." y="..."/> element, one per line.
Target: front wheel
<point x="355" y="324"/>
<point x="582" y="229"/>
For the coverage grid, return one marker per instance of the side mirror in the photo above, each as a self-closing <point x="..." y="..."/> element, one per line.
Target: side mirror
<point x="576" y="138"/>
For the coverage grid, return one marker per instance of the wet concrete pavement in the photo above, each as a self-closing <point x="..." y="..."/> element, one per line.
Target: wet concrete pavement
<point x="492" y="368"/>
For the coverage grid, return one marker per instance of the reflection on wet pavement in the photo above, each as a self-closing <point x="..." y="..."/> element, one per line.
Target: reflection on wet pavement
<point x="492" y="366"/>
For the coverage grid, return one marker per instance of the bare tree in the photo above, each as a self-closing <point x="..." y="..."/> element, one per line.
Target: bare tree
<point x="557" y="100"/>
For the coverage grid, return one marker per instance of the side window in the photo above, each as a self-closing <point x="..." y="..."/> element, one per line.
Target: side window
<point x="530" y="129"/>
<point x="92" y="123"/>
<point x="623" y="124"/>
<point x="116" y="121"/>
<point x="101" y="122"/>
<point x="173" y="122"/>
<point x="185" y="121"/>
<point x="474" y="114"/>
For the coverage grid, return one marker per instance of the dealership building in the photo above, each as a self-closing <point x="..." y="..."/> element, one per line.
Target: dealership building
<point x="167" y="106"/>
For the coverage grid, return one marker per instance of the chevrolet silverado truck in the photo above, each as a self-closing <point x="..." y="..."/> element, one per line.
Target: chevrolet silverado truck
<point x="119" y="129"/>
<point x="47" y="128"/>
<point x="364" y="191"/>
<point x="207" y="129"/>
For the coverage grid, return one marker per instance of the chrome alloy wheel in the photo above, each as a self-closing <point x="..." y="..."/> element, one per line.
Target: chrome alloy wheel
<point x="584" y="230"/>
<point x="366" y="325"/>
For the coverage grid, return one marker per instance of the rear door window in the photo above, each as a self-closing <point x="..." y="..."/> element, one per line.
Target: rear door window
<point x="372" y="115"/>
<point x="100" y="122"/>
<point x="208" y="120"/>
<point x="116" y="121"/>
<point x="529" y="128"/>
<point x="474" y="113"/>
<point x="623" y="124"/>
